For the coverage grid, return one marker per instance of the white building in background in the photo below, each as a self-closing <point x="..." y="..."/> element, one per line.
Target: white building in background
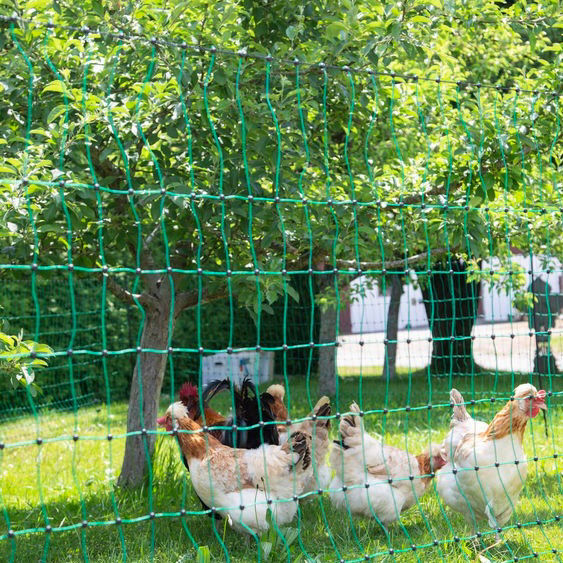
<point x="497" y="304"/>
<point x="369" y="312"/>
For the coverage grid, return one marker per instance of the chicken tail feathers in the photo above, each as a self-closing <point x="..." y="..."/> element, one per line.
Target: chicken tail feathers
<point x="214" y="388"/>
<point x="211" y="389"/>
<point x="300" y="444"/>
<point x="253" y="423"/>
<point x="349" y="424"/>
<point x="459" y="411"/>
<point x="322" y="408"/>
<point x="247" y="389"/>
<point x="350" y="420"/>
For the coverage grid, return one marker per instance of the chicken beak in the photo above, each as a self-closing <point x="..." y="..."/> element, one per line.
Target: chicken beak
<point x="161" y="421"/>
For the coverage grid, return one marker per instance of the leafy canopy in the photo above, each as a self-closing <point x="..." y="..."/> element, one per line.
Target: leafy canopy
<point x="104" y="139"/>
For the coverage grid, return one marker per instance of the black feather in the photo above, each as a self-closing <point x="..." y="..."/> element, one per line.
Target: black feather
<point x="299" y="445"/>
<point x="341" y="444"/>
<point x="250" y="410"/>
<point x="324" y="410"/>
<point x="211" y="389"/>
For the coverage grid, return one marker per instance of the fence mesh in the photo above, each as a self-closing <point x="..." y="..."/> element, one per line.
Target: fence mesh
<point x="165" y="202"/>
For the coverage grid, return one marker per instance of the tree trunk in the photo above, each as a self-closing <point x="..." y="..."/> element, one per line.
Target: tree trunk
<point x="451" y="306"/>
<point x="147" y="381"/>
<point x="327" y="354"/>
<point x="392" y="329"/>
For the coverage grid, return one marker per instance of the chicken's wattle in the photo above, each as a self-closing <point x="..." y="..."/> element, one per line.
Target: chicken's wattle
<point x="538" y="403"/>
<point x="163" y="422"/>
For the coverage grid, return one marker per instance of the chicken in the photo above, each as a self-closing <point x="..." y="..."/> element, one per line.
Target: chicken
<point x="252" y="423"/>
<point x="487" y="469"/>
<point x="243" y="484"/>
<point x="320" y="437"/>
<point x="318" y="429"/>
<point x="373" y="479"/>
<point x="461" y="424"/>
<point x="250" y="410"/>
<point x="247" y="413"/>
<point x="274" y="397"/>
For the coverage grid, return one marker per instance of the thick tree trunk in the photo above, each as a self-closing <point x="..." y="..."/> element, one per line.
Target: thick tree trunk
<point x="145" y="389"/>
<point x="327" y="335"/>
<point x="451" y="306"/>
<point x="392" y="329"/>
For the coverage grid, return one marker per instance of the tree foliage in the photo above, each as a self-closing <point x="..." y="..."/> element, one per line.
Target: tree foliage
<point x="387" y="139"/>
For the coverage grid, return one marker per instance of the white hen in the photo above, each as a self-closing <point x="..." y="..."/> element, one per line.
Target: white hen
<point x="242" y="484"/>
<point x="487" y="467"/>
<point x="375" y="479"/>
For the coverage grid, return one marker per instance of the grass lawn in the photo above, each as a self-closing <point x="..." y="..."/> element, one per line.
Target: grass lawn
<point x="68" y="482"/>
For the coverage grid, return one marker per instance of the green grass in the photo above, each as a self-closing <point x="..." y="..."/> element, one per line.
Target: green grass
<point x="369" y="371"/>
<point x="68" y="470"/>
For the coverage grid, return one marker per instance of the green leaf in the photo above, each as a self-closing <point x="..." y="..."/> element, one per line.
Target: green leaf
<point x="55" y="112"/>
<point x="489" y="180"/>
<point x="422" y="19"/>
<point x="9" y="340"/>
<point x="40" y="348"/>
<point x="291" y="32"/>
<point x="58" y="86"/>
<point x="334" y="29"/>
<point x="292" y="293"/>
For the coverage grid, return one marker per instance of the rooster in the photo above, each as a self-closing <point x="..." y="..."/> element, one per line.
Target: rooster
<point x="374" y="479"/>
<point x="242" y="483"/>
<point x="487" y="469"/>
<point x="248" y="408"/>
<point x="247" y="413"/>
<point x="252" y="423"/>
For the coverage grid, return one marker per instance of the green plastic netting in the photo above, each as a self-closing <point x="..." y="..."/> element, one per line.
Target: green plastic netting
<point x="164" y="202"/>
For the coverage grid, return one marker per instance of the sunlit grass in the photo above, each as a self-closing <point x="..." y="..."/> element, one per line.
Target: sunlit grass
<point x="69" y="482"/>
<point x="369" y="371"/>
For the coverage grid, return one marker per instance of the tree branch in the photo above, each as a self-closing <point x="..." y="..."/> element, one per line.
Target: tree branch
<point x="126" y="296"/>
<point x="391" y="263"/>
<point x="151" y="235"/>
<point x="106" y="167"/>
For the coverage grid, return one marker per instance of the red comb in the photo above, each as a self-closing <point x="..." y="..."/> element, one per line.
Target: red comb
<point x="188" y="391"/>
